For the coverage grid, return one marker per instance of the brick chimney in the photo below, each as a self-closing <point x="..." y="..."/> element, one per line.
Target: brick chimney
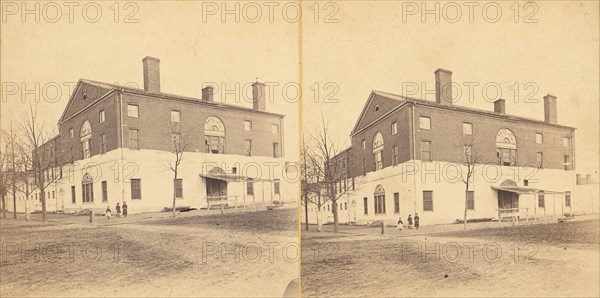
<point x="259" y="101"/>
<point x="207" y="94"/>
<point x="499" y="106"/>
<point x="550" y="109"/>
<point x="443" y="87"/>
<point x="151" y="74"/>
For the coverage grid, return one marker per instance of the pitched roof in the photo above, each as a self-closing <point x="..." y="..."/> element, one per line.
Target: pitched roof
<point x="402" y="100"/>
<point x="108" y="88"/>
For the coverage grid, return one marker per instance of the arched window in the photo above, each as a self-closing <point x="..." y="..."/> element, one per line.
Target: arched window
<point x="86" y="137"/>
<point x="506" y="148"/>
<point x="379" y="199"/>
<point x="378" y="150"/>
<point x="214" y="135"/>
<point x="87" y="188"/>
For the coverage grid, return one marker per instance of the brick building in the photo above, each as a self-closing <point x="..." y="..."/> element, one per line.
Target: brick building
<point x="115" y="144"/>
<point x="409" y="156"/>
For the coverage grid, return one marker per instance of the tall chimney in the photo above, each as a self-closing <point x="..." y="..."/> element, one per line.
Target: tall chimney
<point x="550" y="109"/>
<point x="443" y="87"/>
<point x="207" y="94"/>
<point x="259" y="102"/>
<point x="151" y="74"/>
<point x="499" y="106"/>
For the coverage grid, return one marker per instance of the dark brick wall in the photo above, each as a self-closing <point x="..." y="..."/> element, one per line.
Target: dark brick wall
<point x="155" y="128"/>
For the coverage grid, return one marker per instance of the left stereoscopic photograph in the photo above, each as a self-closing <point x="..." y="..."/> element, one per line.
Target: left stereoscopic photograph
<point x="149" y="149"/>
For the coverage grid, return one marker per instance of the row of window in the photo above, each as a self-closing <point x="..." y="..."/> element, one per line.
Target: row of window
<point x="539" y="139"/>
<point x="250" y="187"/>
<point x="542" y="200"/>
<point x="330" y="207"/>
<point x="87" y="190"/>
<point x="380" y="202"/>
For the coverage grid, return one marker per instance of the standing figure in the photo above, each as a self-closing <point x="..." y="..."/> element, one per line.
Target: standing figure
<point x="400" y="224"/>
<point x="125" y="209"/>
<point x="417" y="221"/>
<point x="409" y="220"/>
<point x="118" y="208"/>
<point x="108" y="213"/>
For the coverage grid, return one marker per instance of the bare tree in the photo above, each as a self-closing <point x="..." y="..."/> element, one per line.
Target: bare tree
<point x="179" y="143"/>
<point x="35" y="135"/>
<point x="470" y="160"/>
<point x="331" y="167"/>
<point x="4" y="177"/>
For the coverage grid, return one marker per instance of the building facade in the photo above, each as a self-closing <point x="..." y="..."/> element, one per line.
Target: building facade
<point x="117" y="144"/>
<point x="411" y="156"/>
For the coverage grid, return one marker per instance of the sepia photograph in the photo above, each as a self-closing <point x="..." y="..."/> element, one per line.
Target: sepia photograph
<point x="313" y="148"/>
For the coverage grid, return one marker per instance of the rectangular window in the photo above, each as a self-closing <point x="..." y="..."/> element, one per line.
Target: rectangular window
<point x="539" y="138"/>
<point x="424" y="122"/>
<point x="363" y="144"/>
<point x="427" y="200"/>
<point x="470" y="200"/>
<point x="539" y="159"/>
<point x="396" y="202"/>
<point x="541" y="201"/>
<point x="364" y="167"/>
<point x="379" y="204"/>
<point x="71" y="154"/>
<point x="136" y="189"/>
<point x="102" y="116"/>
<point x="133" y="111"/>
<point x="175" y="116"/>
<point x="394" y="128"/>
<point x="379" y="160"/>
<point x="250" y="188"/>
<point x="70" y="132"/>
<point x="104" y="192"/>
<point x="73" y="197"/>
<point x="178" y="188"/>
<point x="426" y="151"/>
<point x="567" y="162"/>
<point x="247" y="125"/>
<point x="134" y="139"/>
<point x="395" y="159"/>
<point x="87" y="192"/>
<point x="467" y="128"/>
<point x="276" y="186"/>
<point x="175" y="138"/>
<point x="85" y="147"/>
<point x="276" y="150"/>
<point x="248" y="147"/>
<point x="103" y="143"/>
<point x="568" y="199"/>
<point x="566" y="142"/>
<point x="345" y="206"/>
<point x="275" y="128"/>
<point x="366" y="206"/>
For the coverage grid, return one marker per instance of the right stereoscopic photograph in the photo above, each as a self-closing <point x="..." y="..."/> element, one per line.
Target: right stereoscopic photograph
<point x="450" y="149"/>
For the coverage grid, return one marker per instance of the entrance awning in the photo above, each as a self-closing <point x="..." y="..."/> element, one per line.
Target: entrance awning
<point x="525" y="190"/>
<point x="231" y="177"/>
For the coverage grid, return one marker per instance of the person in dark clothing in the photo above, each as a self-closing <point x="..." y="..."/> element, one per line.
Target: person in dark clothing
<point x="124" y="209"/>
<point x="118" y="208"/>
<point x="416" y="221"/>
<point x="409" y="221"/>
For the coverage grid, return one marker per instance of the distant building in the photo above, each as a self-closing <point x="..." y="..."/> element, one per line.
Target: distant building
<point x="407" y="155"/>
<point x="115" y="144"/>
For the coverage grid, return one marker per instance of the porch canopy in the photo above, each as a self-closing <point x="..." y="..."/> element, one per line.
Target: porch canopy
<point x="525" y="190"/>
<point x="231" y="177"/>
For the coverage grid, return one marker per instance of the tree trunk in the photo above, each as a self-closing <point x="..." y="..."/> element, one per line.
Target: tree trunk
<point x="319" y="224"/>
<point x="174" y="193"/>
<point x="3" y="207"/>
<point x="466" y="202"/>
<point x="14" y="193"/>
<point x="306" y="211"/>
<point x="335" y="216"/>
<point x="42" y="195"/>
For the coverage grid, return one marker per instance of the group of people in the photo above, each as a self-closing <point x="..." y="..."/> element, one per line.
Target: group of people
<point x="409" y="222"/>
<point x="118" y="209"/>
